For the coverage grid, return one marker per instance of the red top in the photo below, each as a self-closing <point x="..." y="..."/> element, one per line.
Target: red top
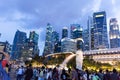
<point x="4" y="62"/>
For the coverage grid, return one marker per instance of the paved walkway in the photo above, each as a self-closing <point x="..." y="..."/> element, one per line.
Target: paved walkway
<point x="12" y="74"/>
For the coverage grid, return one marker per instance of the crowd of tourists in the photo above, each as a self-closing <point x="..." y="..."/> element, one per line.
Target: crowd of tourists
<point x="43" y="73"/>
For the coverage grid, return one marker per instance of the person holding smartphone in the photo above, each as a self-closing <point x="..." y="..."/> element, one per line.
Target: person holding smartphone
<point x="4" y="58"/>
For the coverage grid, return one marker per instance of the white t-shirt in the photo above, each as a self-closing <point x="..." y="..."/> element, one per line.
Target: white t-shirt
<point x="20" y="71"/>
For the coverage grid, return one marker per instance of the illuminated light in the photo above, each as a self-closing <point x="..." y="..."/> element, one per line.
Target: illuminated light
<point x="100" y="15"/>
<point x="81" y="29"/>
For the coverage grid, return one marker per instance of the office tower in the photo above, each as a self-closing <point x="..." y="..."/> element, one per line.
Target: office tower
<point x="57" y="47"/>
<point x="91" y="33"/>
<point x="55" y="40"/>
<point x="48" y="49"/>
<point x="64" y="32"/>
<point x="86" y="40"/>
<point x="100" y="30"/>
<point x="76" y="33"/>
<point x="68" y="45"/>
<point x="114" y="33"/>
<point x="33" y="40"/>
<point x="33" y="37"/>
<point x="18" y="44"/>
<point x="55" y="36"/>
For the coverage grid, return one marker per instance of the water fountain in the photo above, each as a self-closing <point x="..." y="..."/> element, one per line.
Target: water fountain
<point x="79" y="60"/>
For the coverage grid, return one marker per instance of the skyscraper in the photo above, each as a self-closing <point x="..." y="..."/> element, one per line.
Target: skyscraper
<point x="64" y="32"/>
<point x="55" y="40"/>
<point x="114" y="33"/>
<point x="76" y="33"/>
<point x="33" y="40"/>
<point x="86" y="40"/>
<point x="91" y="33"/>
<point x="33" y="37"/>
<point x="100" y="30"/>
<point x="48" y="49"/>
<point x="18" y="44"/>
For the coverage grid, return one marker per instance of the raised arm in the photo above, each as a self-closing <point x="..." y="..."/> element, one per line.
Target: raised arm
<point x="7" y="57"/>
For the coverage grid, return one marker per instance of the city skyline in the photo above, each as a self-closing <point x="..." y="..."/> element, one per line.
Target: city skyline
<point x="33" y="16"/>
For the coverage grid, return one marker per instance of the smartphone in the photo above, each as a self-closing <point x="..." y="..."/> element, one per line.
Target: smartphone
<point x="1" y="54"/>
<point x="2" y="48"/>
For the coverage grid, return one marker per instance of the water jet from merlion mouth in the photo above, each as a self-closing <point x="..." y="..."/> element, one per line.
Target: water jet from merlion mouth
<point x="79" y="60"/>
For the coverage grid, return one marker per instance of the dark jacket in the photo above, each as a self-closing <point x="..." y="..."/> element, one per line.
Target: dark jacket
<point x="28" y="74"/>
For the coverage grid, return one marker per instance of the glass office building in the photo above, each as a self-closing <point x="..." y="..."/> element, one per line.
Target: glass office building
<point x="100" y="30"/>
<point x="64" y="32"/>
<point x="18" y="44"/>
<point x="68" y="45"/>
<point x="48" y="49"/>
<point x="114" y="33"/>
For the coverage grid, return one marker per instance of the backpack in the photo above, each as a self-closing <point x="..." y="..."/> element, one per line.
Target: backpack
<point x="41" y="73"/>
<point x="3" y="74"/>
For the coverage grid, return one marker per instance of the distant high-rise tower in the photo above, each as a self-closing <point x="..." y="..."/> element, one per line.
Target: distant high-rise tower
<point x="55" y="40"/>
<point x="33" y="40"/>
<point x="33" y="37"/>
<point x="114" y="33"/>
<point x="100" y="30"/>
<point x="18" y="44"/>
<point x="64" y="32"/>
<point x="91" y="33"/>
<point x="48" y="49"/>
<point x="86" y="40"/>
<point x="76" y="33"/>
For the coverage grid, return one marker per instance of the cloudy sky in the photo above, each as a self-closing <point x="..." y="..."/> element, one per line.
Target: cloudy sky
<point x="29" y="15"/>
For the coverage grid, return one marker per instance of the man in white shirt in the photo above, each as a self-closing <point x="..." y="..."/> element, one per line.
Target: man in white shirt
<point x="20" y="73"/>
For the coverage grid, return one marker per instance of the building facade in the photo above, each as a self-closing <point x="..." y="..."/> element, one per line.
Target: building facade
<point x="68" y="45"/>
<point x="91" y="33"/>
<point x="114" y="33"/>
<point x="48" y="49"/>
<point x="76" y="31"/>
<point x="77" y="34"/>
<point x="55" y="40"/>
<point x="111" y="55"/>
<point x="86" y="40"/>
<point x="33" y="37"/>
<point x="57" y="47"/>
<point x="33" y="42"/>
<point x="100" y="30"/>
<point x="64" y="32"/>
<point x="18" y="44"/>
